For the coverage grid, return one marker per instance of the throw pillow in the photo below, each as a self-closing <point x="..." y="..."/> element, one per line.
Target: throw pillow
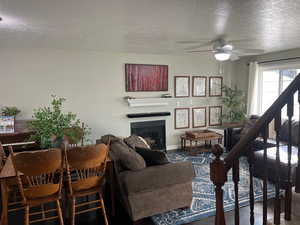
<point x="152" y="157"/>
<point x="145" y="142"/>
<point x="284" y="132"/>
<point x="128" y="158"/>
<point x="134" y="141"/>
<point x="108" y="138"/>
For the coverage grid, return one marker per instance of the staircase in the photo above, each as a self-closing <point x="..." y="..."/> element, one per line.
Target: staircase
<point x="220" y="167"/>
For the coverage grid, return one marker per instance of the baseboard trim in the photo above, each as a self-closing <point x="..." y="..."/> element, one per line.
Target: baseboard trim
<point x="172" y="147"/>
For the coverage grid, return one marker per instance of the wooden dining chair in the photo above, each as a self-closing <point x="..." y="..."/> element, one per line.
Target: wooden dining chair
<point x="2" y="156"/>
<point x="14" y="198"/>
<point x="39" y="177"/>
<point x="85" y="174"/>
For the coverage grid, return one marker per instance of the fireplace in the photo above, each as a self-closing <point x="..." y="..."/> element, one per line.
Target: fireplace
<point x="153" y="131"/>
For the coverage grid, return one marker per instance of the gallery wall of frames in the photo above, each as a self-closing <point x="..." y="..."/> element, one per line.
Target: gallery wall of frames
<point x="197" y="86"/>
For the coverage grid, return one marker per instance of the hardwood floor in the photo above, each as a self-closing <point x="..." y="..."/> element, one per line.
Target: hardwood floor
<point x="122" y="219"/>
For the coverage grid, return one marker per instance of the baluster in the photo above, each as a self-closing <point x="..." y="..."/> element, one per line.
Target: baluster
<point x="251" y="191"/>
<point x="265" y="174"/>
<point x="236" y="179"/>
<point x="288" y="191"/>
<point x="277" y="205"/>
<point x="218" y="177"/>
<point x="297" y="189"/>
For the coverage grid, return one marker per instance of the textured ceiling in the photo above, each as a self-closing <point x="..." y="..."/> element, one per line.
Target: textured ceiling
<point x="147" y="26"/>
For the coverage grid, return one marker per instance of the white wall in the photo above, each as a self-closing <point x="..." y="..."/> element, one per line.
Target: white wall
<point x="93" y="84"/>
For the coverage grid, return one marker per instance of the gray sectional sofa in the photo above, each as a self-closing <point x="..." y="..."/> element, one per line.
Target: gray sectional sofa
<point x="149" y="190"/>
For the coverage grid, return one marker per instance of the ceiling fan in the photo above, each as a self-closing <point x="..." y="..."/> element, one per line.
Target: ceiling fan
<point x="222" y="49"/>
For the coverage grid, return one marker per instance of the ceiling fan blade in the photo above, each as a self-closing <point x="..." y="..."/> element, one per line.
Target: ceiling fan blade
<point x="194" y="41"/>
<point x="198" y="46"/>
<point x="190" y="42"/>
<point x="240" y="40"/>
<point x="234" y="57"/>
<point x="200" y="51"/>
<point x="242" y="52"/>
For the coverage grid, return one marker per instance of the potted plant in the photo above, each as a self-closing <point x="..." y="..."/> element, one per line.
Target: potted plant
<point x="10" y="111"/>
<point x="51" y="125"/>
<point x="234" y="103"/>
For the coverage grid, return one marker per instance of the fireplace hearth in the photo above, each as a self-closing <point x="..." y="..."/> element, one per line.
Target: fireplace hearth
<point x="153" y="131"/>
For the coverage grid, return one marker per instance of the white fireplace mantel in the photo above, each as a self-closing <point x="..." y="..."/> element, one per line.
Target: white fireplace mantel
<point x="147" y="102"/>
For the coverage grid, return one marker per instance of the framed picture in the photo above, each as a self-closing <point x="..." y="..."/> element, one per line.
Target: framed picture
<point x="199" y="117"/>
<point x="215" y="86"/>
<point x="182" y="86"/>
<point x="143" y="77"/>
<point x="182" y="118"/>
<point x="199" y="86"/>
<point x="215" y="113"/>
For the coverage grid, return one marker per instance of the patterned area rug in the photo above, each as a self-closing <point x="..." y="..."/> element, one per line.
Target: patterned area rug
<point x="203" y="204"/>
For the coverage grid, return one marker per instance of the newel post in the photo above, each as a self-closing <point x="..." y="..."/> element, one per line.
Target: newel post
<point x="218" y="177"/>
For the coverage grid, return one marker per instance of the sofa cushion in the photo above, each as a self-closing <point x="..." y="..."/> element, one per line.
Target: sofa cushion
<point x="157" y="201"/>
<point x="257" y="144"/>
<point x="128" y="158"/>
<point x="108" y="138"/>
<point x="155" y="177"/>
<point x="136" y="141"/>
<point x="259" y="164"/>
<point x="152" y="157"/>
<point x="284" y="132"/>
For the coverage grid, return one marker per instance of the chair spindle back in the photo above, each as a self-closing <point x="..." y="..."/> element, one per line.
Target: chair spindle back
<point x="86" y="166"/>
<point x="41" y="172"/>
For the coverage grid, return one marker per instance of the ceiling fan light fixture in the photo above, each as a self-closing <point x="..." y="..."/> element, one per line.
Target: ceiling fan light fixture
<point x="222" y="56"/>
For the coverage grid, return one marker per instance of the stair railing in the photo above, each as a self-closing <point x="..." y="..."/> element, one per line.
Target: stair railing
<point x="220" y="167"/>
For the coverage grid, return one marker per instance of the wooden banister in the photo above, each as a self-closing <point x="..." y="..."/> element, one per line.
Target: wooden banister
<point x="219" y="167"/>
<point x="267" y="117"/>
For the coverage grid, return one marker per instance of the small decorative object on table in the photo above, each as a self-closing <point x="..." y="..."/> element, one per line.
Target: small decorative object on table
<point x="7" y="124"/>
<point x="199" y="139"/>
<point x="10" y="111"/>
<point x="168" y="95"/>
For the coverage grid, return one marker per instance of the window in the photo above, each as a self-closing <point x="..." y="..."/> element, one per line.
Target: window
<point x="273" y="83"/>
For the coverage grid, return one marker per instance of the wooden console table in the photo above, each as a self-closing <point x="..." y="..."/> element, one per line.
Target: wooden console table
<point x="197" y="142"/>
<point x="21" y="134"/>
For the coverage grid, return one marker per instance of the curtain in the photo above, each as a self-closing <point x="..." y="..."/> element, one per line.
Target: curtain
<point x="253" y="83"/>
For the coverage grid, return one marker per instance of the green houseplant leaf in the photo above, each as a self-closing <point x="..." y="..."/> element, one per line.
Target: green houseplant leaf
<point x="10" y="111"/>
<point x="234" y="103"/>
<point x="50" y="124"/>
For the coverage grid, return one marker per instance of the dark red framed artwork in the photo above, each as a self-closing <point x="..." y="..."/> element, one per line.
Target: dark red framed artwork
<point x="146" y="77"/>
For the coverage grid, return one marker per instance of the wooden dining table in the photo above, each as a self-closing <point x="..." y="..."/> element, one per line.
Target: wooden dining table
<point x="9" y="172"/>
